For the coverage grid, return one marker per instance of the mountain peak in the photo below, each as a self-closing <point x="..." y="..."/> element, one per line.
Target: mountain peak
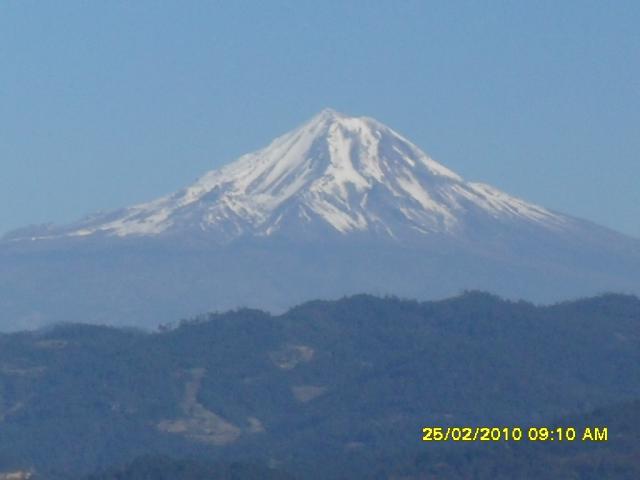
<point x="329" y="118"/>
<point x="329" y="113"/>
<point x="335" y="173"/>
<point x="323" y="119"/>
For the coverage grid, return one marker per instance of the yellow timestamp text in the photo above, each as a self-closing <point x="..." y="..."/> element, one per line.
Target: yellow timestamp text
<point x="515" y="434"/>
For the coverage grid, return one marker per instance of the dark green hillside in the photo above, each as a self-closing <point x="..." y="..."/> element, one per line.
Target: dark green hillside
<point x="616" y="459"/>
<point x="327" y="388"/>
<point x="165" y="468"/>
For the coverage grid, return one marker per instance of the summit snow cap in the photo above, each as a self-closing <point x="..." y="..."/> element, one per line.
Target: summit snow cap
<point x="335" y="173"/>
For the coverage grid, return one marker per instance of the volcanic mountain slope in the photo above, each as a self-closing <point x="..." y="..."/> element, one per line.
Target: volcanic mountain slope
<point x="343" y="174"/>
<point x="340" y="205"/>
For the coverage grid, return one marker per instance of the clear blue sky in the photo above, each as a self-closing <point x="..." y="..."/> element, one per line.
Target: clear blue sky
<point x="103" y="104"/>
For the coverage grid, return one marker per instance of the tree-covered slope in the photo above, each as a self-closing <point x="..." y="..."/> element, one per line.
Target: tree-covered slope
<point x="327" y="388"/>
<point x="617" y="458"/>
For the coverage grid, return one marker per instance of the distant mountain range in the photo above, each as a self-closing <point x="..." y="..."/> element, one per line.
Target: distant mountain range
<point x="340" y="205"/>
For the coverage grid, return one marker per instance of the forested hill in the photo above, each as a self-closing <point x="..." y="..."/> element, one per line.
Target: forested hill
<point x="166" y="468"/>
<point x="618" y="458"/>
<point x="327" y="388"/>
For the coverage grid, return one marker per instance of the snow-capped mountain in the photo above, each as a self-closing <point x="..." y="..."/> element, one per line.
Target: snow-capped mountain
<point x="341" y="205"/>
<point x="335" y="173"/>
